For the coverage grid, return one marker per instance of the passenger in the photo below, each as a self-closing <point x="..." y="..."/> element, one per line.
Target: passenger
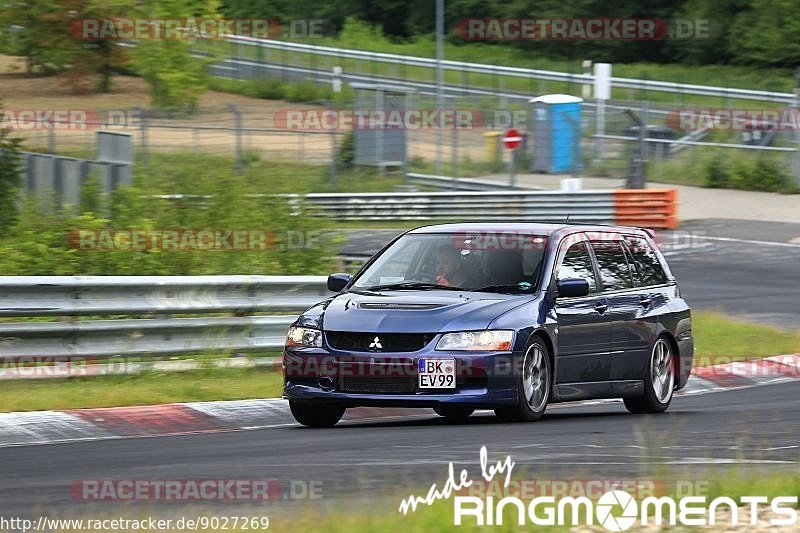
<point x="448" y="268"/>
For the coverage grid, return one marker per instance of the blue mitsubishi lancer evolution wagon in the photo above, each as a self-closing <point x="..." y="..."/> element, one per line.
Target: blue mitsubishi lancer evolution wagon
<point x="501" y="316"/>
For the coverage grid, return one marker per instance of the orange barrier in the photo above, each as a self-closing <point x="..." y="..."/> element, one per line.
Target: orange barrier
<point x="646" y="208"/>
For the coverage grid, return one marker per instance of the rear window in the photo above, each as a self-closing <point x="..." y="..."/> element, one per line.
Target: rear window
<point x="614" y="269"/>
<point x="647" y="267"/>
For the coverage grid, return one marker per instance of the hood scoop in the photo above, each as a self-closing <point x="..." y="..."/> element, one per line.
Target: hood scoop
<point x="400" y="306"/>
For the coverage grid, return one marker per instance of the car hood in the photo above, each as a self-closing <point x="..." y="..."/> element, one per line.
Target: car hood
<point x="415" y="312"/>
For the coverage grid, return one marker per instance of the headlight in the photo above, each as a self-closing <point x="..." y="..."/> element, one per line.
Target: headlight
<point x="309" y="337"/>
<point x="488" y="340"/>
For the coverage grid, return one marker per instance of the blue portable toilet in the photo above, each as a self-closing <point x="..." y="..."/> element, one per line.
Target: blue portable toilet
<point x="555" y="136"/>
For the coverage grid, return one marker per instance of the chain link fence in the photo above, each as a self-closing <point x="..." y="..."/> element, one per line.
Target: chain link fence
<point x="321" y="132"/>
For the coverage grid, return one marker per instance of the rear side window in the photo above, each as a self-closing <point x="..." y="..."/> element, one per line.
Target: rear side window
<point x="614" y="268"/>
<point x="648" y="270"/>
<point x="578" y="264"/>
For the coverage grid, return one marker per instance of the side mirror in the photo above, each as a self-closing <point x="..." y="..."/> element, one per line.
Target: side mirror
<point x="572" y="287"/>
<point x="337" y="282"/>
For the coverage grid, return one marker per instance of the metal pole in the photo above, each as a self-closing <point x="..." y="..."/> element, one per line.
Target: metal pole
<point x="454" y="151"/>
<point x="334" y="155"/>
<point x="439" y="79"/>
<point x="512" y="167"/>
<point x="51" y="138"/>
<point x="237" y="116"/>
<point x="143" y="130"/>
<point x="600" y="128"/>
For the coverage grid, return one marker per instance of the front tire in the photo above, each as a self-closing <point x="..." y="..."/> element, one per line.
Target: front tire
<point x="454" y="413"/>
<point x="659" y="382"/>
<point x="533" y="386"/>
<point x="316" y="415"/>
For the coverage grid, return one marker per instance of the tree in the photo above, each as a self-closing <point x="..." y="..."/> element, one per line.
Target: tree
<point x="176" y="77"/>
<point x="88" y="56"/>
<point x="9" y="176"/>
<point x="767" y="34"/>
<point x="34" y="29"/>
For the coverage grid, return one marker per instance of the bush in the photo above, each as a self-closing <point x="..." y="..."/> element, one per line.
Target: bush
<point x="762" y="173"/>
<point x="307" y="91"/>
<point x="267" y="89"/>
<point x="10" y="177"/>
<point x="39" y="243"/>
<point x="716" y="174"/>
<point x="345" y="155"/>
<point x="766" y="174"/>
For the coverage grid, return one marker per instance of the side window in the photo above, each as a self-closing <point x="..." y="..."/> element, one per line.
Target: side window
<point x="578" y="264"/>
<point x="646" y="262"/>
<point x="614" y="269"/>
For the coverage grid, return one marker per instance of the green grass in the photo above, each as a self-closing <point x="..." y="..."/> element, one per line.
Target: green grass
<point x="142" y="389"/>
<point x="359" y="35"/>
<point x="382" y="514"/>
<point x="186" y="172"/>
<point x="376" y="512"/>
<point x="719" y="336"/>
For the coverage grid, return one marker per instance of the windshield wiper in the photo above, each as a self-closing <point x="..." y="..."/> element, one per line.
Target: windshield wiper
<point x="412" y="285"/>
<point x="522" y="286"/>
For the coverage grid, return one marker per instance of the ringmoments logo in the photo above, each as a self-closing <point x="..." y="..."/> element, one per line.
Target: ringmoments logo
<point x="615" y="510"/>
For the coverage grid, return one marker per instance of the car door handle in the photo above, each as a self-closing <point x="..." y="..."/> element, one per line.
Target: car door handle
<point x="601" y="307"/>
<point x="645" y="301"/>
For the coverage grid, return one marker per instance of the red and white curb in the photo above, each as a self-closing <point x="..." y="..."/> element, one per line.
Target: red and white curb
<point x="741" y="374"/>
<point x="76" y="425"/>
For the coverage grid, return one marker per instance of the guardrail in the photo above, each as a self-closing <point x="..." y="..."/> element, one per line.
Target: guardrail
<point x="518" y="72"/>
<point x="58" y="296"/>
<point x="653" y="208"/>
<point x="458" y="184"/>
<point x="119" y="295"/>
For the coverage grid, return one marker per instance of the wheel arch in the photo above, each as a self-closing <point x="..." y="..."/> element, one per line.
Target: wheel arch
<point x="676" y="355"/>
<point x="542" y="334"/>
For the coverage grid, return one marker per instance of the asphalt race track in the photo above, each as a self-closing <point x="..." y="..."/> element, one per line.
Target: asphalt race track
<point x="700" y="437"/>
<point x="749" y="269"/>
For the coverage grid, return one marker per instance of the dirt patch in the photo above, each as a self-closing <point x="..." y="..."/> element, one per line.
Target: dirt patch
<point x="211" y="129"/>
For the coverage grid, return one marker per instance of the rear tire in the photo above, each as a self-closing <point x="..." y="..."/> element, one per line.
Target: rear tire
<point x="454" y="413"/>
<point x="659" y="382"/>
<point x="533" y="386"/>
<point x="316" y="415"/>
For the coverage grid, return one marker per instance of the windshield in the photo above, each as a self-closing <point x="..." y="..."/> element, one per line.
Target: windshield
<point x="495" y="262"/>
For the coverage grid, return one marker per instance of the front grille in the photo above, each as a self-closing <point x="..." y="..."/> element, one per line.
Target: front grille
<point x="389" y="342"/>
<point x="379" y="385"/>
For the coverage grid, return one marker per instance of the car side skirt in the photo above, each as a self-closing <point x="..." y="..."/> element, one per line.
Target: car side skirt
<point x="570" y="392"/>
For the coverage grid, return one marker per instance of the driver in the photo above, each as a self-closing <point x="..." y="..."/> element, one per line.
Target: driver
<point x="448" y="270"/>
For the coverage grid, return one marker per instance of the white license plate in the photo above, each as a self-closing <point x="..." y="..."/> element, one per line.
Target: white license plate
<point x="437" y="373"/>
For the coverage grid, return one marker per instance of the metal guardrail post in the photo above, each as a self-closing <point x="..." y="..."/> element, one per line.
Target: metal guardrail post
<point x="636" y="175"/>
<point x="439" y="79"/>
<point x="237" y="117"/>
<point x="143" y="134"/>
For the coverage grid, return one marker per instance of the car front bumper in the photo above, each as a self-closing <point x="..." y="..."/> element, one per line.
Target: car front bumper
<point x="483" y="380"/>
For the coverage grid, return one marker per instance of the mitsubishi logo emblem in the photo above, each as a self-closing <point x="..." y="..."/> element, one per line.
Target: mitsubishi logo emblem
<point x="376" y="344"/>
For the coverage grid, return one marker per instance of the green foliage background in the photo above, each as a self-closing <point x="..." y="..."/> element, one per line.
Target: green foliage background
<point x="36" y="243"/>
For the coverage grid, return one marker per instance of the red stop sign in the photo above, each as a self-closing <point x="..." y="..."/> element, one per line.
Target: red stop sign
<point x="511" y="139"/>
